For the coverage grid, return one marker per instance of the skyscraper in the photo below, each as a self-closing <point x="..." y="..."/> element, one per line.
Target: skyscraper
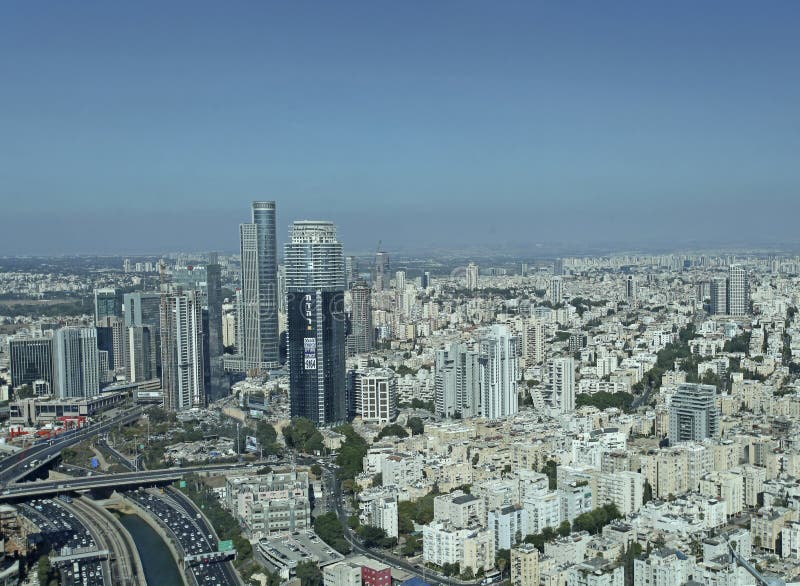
<point x="556" y="290"/>
<point x="693" y="414"/>
<point x="630" y="288"/>
<point x="143" y="311"/>
<point x="558" y="267"/>
<point x="738" y="298"/>
<point x="31" y="359"/>
<point x="315" y="322"/>
<point x="362" y="334"/>
<point x="457" y="382"/>
<point x="472" y="276"/>
<point x="182" y="349"/>
<point x="561" y="384"/>
<point x="719" y="297"/>
<point x="381" y="270"/>
<point x="534" y="338"/>
<point x="216" y="387"/>
<point x="76" y="363"/>
<point x="499" y="373"/>
<point x="106" y="304"/>
<point x="351" y="270"/>
<point x="260" y="289"/>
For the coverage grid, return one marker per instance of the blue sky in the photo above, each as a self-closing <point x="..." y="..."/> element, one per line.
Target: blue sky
<point x="145" y="126"/>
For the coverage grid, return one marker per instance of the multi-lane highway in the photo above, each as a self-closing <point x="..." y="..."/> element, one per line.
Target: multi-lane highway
<point x="16" y="466"/>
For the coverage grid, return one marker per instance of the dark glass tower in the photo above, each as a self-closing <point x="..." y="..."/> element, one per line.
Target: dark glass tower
<point x="216" y="383"/>
<point x="316" y="323"/>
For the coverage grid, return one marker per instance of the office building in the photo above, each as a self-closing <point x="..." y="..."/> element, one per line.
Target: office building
<point x="376" y="395"/>
<point x="472" y="276"/>
<point x="76" y="363"/>
<point x="457" y="382"/>
<point x="425" y="281"/>
<point x="499" y="371"/>
<point x="216" y="383"/>
<point x="182" y="349"/>
<point x="558" y="267"/>
<point x="30" y="359"/>
<point x="350" y="271"/>
<point x="142" y="354"/>
<point x="738" y="297"/>
<point x="362" y="333"/>
<point x="525" y="565"/>
<point x="106" y="304"/>
<point x="693" y="413"/>
<point x="315" y="322"/>
<point x="556" y="290"/>
<point x="260" y="289"/>
<point x="719" y="297"/>
<point x="143" y="309"/>
<point x="381" y="271"/>
<point x="561" y="384"/>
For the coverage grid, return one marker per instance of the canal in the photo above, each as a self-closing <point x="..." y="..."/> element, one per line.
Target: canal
<point x="159" y="567"/>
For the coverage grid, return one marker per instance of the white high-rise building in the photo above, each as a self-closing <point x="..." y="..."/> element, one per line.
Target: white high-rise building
<point x="533" y="342"/>
<point x="400" y="280"/>
<point x="556" y="290"/>
<point x="457" y="382"/>
<point x="376" y="395"/>
<point x="561" y="384"/>
<point x="472" y="276"/>
<point x="499" y="372"/>
<point x="624" y="489"/>
<point x="693" y="413"/>
<point x="182" y="349"/>
<point x="737" y="291"/>
<point x="76" y="363"/>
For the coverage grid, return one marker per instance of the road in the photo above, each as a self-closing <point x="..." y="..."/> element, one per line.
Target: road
<point x="427" y="575"/>
<point x="122" y="557"/>
<point x="17" y="465"/>
<point x="230" y="575"/>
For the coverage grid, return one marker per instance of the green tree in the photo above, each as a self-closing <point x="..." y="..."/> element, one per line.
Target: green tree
<point x="416" y="425"/>
<point x="393" y="430"/>
<point x="24" y="392"/>
<point x="551" y="468"/>
<point x="308" y="573"/>
<point x="371" y="536"/>
<point x="564" y="529"/>
<point x="351" y="455"/>
<point x="303" y="435"/>
<point x="329" y="529"/>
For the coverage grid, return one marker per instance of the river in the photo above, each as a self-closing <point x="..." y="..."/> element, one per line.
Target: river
<point x="159" y="567"/>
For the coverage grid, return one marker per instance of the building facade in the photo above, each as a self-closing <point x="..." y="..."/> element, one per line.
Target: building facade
<point x="316" y="322"/>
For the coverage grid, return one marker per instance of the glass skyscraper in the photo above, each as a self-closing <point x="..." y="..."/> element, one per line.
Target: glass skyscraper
<point x="316" y="322"/>
<point x="259" y="289"/>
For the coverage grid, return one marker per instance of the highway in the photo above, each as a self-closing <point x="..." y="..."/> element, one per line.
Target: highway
<point x="122" y="556"/>
<point x="229" y="574"/>
<point x="16" y="466"/>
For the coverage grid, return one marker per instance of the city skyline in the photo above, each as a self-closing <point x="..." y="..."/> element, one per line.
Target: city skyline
<point x="564" y="124"/>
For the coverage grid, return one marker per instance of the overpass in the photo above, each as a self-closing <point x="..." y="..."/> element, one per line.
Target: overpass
<point x="121" y="480"/>
<point x="17" y="466"/>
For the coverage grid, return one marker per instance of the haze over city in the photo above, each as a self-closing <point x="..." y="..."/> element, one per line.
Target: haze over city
<point x="149" y="126"/>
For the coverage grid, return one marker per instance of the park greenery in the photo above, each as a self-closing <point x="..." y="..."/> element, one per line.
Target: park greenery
<point x="329" y="529"/>
<point x="302" y="435"/>
<point x="351" y="455"/>
<point x="416" y="426"/>
<point x="604" y="400"/>
<point x="395" y="430"/>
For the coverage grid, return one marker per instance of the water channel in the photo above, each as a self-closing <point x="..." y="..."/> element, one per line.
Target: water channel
<point x="159" y="566"/>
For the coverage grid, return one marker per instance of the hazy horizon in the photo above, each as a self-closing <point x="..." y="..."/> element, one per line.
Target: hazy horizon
<point x="149" y="127"/>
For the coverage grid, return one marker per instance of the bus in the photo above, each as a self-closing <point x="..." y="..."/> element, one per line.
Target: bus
<point x="491" y="577"/>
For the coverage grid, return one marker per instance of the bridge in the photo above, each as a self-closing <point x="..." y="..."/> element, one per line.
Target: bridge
<point x="17" y="466"/>
<point x="123" y="480"/>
